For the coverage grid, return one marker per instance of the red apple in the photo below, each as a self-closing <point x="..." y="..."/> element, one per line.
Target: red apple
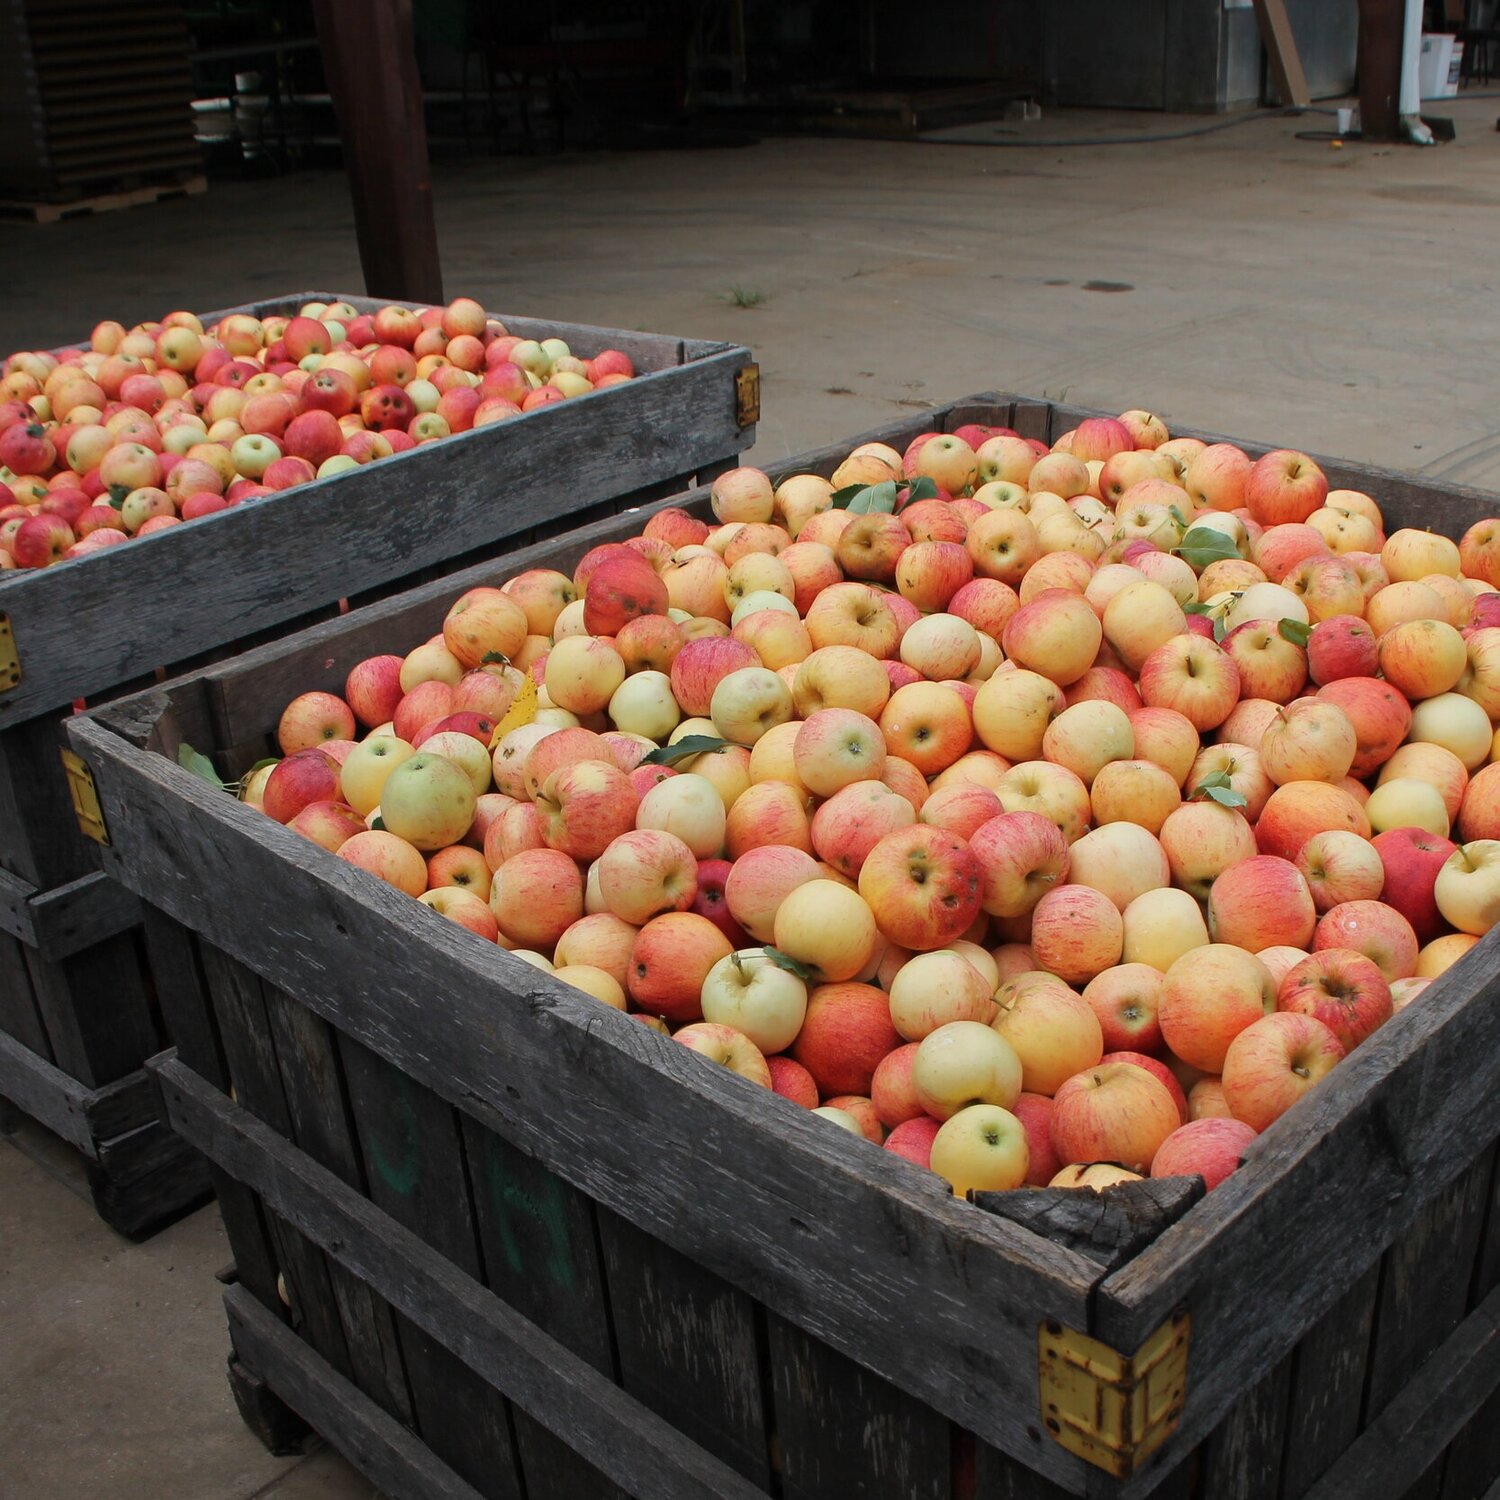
<point x="1412" y="858"/>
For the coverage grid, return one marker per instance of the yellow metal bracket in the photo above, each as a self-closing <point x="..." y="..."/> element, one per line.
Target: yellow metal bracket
<point x="747" y="396"/>
<point x="85" y="798"/>
<point x="10" y="658"/>
<point x="1110" y="1409"/>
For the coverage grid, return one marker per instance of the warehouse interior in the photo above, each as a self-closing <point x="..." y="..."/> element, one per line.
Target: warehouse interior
<point x="1106" y="204"/>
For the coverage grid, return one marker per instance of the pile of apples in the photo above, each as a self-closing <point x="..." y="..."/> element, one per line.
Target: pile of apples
<point x="169" y="422"/>
<point x="1044" y="816"/>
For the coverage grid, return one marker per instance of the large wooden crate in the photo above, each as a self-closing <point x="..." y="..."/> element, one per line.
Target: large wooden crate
<point x="78" y="1009"/>
<point x="494" y="1239"/>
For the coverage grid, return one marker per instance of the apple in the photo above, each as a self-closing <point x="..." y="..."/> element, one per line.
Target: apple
<point x="1054" y="1032"/>
<point x="982" y="1148"/>
<point x="674" y="954"/>
<point x="304" y="777"/>
<point x="729" y="1048"/>
<point x="1209" y="996"/>
<point x="1113" y="1112"/>
<point x="931" y="989"/>
<point x="1284" y="486"/>
<point x="1194" y="677"/>
<point x="1341" y="866"/>
<point x="311" y="718"/>
<point x="1273" y="1063"/>
<point x="1341" y="646"/>
<point x="1295" y="812"/>
<point x="598" y="940"/>
<point x="913" y="1139"/>
<point x="1159" y="926"/>
<point x="1021" y="856"/>
<point x="645" y="873"/>
<point x="827" y="926"/>
<point x="1374" y="929"/>
<point x="922" y="885"/>
<point x="1053" y="791"/>
<point x="1261" y="902"/>
<point x="536" y="896"/>
<point x="1343" y="989"/>
<point x="1134" y="791"/>
<point x="928" y="724"/>
<point x="1209" y="1148"/>
<point x="1057" y="635"/>
<point x="845" y="1035"/>
<point x="1455" y="722"/>
<point x="1012" y="711"/>
<point x="964" y="1063"/>
<point x="1125" y="999"/>
<point x="750" y="992"/>
<point x="1087" y="736"/>
<point x="388" y="858"/>
<point x="792" y="1081"/>
<point x="1122" y="860"/>
<point x="1406" y="802"/>
<point x="837" y="746"/>
<point x="840" y="677"/>
<point x="1411" y="859"/>
<point x="1076" y="933"/>
<point x="768" y="813"/>
<point x="1467" y="889"/>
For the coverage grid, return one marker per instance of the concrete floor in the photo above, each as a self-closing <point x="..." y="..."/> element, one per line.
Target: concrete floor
<point x="1339" y="300"/>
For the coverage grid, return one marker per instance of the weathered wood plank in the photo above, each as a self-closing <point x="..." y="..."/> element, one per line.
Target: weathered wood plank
<point x="1242" y="1458"/>
<point x="183" y="994"/>
<point x="688" y="1347"/>
<point x="1434" y="1404"/>
<point x="998" y="1476"/>
<point x="1328" y="1384"/>
<point x="81" y="913"/>
<point x="96" y="1009"/>
<point x="19" y="1016"/>
<point x="1107" y="1227"/>
<point x="751" y="1188"/>
<point x="1424" y="1288"/>
<point x="412" y="1161"/>
<point x="541" y="1257"/>
<point x="39" y="838"/>
<point x="1371" y="1148"/>
<point x="377" y="1445"/>
<point x="45" y="1093"/>
<point x="584" y="1408"/>
<point x="145" y="1180"/>
<point x="842" y="1430"/>
<point x="308" y="1069"/>
<point x="262" y="564"/>
<point x="249" y="1052"/>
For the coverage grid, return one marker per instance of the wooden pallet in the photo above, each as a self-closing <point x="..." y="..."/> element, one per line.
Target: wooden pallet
<point x="529" y="1248"/>
<point x="101" y="203"/>
<point x="79" y="1013"/>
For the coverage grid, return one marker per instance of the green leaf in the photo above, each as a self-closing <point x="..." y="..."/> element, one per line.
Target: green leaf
<point x="1295" y="632"/>
<point x="1203" y="545"/>
<point x="1221" y="628"/>
<point x="1214" y="778"/>
<point x="1195" y="608"/>
<point x="494" y="656"/>
<point x="1175" y="511"/>
<point x="1226" y="796"/>
<point x="688" y="746"/>
<point x="867" y="499"/>
<point x="921" y="488"/>
<point x="117" y="494"/>
<point x="200" y="765"/>
<point x="377" y="825"/>
<point x="260" y="765"/>
<point x="804" y="972"/>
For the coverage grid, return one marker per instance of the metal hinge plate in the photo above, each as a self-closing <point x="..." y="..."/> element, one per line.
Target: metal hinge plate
<point x="85" y="798"/>
<point x="747" y="396"/>
<point x="10" y="658"/>
<point x="1110" y="1409"/>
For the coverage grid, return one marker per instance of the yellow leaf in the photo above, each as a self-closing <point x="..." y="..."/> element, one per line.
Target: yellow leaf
<point x="522" y="711"/>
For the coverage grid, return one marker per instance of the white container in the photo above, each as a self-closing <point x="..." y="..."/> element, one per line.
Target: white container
<point x="1442" y="59"/>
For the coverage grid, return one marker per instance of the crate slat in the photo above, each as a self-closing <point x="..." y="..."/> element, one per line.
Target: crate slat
<point x="596" y="1418"/>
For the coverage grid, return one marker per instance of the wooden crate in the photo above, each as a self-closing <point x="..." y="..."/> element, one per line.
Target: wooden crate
<point x="78" y="1009"/>
<point x="495" y="1240"/>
